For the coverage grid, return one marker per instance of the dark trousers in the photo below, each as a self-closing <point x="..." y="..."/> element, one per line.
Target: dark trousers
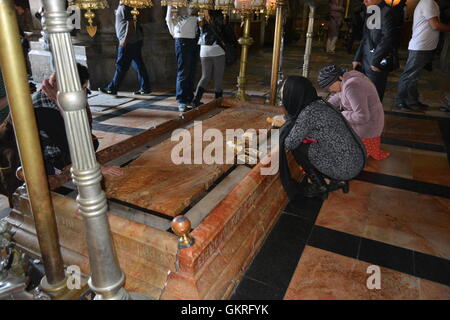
<point x="302" y="158"/>
<point x="407" y="86"/>
<point x="187" y="51"/>
<point x="379" y="79"/>
<point x="131" y="54"/>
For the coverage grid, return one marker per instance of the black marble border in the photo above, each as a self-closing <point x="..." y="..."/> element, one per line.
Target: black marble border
<point x="414" y="115"/>
<point x="444" y="126"/>
<point x="270" y="273"/>
<point x="413" y="144"/>
<point x="405" y="184"/>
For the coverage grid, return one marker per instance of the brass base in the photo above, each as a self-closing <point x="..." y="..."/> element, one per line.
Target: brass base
<point x="61" y="291"/>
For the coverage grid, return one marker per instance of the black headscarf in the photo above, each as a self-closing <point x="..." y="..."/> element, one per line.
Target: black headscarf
<point x="298" y="93"/>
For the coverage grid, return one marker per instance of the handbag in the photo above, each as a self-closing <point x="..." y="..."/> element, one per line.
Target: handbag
<point x="388" y="63"/>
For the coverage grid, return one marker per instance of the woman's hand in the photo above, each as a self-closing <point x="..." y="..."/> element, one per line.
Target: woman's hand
<point x="113" y="171"/>
<point x="50" y="89"/>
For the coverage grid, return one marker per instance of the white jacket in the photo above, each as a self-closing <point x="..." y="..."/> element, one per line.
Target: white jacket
<point x="181" y="26"/>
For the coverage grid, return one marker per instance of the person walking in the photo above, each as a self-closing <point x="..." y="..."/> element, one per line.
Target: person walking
<point x="183" y="28"/>
<point x="376" y="55"/>
<point x="424" y="40"/>
<point x="129" y="52"/>
<point x="334" y="24"/>
<point x="212" y="54"/>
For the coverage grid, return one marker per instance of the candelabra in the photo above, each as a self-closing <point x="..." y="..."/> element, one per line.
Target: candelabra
<point x="137" y="4"/>
<point x="225" y="5"/>
<point x="245" y="8"/>
<point x="278" y="7"/>
<point x="90" y="5"/>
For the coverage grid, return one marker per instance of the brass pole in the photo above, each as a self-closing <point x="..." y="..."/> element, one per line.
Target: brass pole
<point x="245" y="41"/>
<point x="107" y="278"/>
<point x="308" y="46"/>
<point x="13" y="67"/>
<point x="276" y="52"/>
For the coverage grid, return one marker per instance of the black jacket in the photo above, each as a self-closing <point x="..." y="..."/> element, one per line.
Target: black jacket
<point x="213" y="33"/>
<point x="383" y="40"/>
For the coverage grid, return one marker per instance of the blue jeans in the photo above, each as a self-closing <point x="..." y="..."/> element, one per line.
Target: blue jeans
<point x="407" y="86"/>
<point x="131" y="54"/>
<point x="187" y="51"/>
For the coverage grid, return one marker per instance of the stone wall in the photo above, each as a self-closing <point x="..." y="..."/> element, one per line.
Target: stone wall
<point x="100" y="51"/>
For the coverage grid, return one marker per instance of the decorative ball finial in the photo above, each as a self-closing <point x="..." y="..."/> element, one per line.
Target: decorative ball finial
<point x="181" y="226"/>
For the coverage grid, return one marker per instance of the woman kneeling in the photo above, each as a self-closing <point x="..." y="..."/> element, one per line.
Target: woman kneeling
<point x="321" y="140"/>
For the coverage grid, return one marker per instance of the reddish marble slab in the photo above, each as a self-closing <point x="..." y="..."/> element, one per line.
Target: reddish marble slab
<point x="399" y="162"/>
<point x="142" y="118"/>
<point x="398" y="217"/>
<point x="107" y="139"/>
<point x="431" y="167"/>
<point x="410" y="163"/>
<point x="419" y="130"/>
<point x="154" y="182"/>
<point x="326" y="275"/>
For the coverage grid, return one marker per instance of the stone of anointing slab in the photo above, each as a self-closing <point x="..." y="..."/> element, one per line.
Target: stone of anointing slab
<point x="153" y="181"/>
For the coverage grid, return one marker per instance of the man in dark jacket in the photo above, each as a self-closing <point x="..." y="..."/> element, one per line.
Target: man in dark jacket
<point x="375" y="55"/>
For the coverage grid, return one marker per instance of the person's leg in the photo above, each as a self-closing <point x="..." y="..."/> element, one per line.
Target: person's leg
<point x="333" y="44"/>
<point x="139" y="65"/>
<point x="420" y="60"/>
<point x="207" y="69"/>
<point x="379" y="79"/>
<point x="328" y="46"/>
<point x="193" y="58"/>
<point x="184" y="55"/>
<point x="219" y="69"/>
<point x="122" y="65"/>
<point x="318" y="186"/>
<point x="402" y="90"/>
<point x="180" y="70"/>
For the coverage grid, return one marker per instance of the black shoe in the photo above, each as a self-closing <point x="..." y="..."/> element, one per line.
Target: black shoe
<point x="420" y="105"/>
<point x="142" y="92"/>
<point x="318" y="187"/>
<point x="338" y="184"/>
<point x="108" y="91"/>
<point x="218" y="94"/>
<point x="403" y="107"/>
<point x="198" y="96"/>
<point x="315" y="191"/>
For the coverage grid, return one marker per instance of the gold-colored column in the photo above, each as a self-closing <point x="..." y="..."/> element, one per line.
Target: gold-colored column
<point x="276" y="52"/>
<point x="14" y="72"/>
<point x="245" y="41"/>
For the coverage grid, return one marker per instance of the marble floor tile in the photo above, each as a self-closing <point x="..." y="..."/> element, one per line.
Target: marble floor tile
<point x="430" y="167"/>
<point x="142" y="118"/>
<point x="399" y="162"/>
<point x="107" y="139"/>
<point x="397" y="217"/>
<point x="325" y="275"/>
<point x="419" y="130"/>
<point x="347" y="212"/>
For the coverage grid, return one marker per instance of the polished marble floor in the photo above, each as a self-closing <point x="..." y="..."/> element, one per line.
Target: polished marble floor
<point x="396" y="215"/>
